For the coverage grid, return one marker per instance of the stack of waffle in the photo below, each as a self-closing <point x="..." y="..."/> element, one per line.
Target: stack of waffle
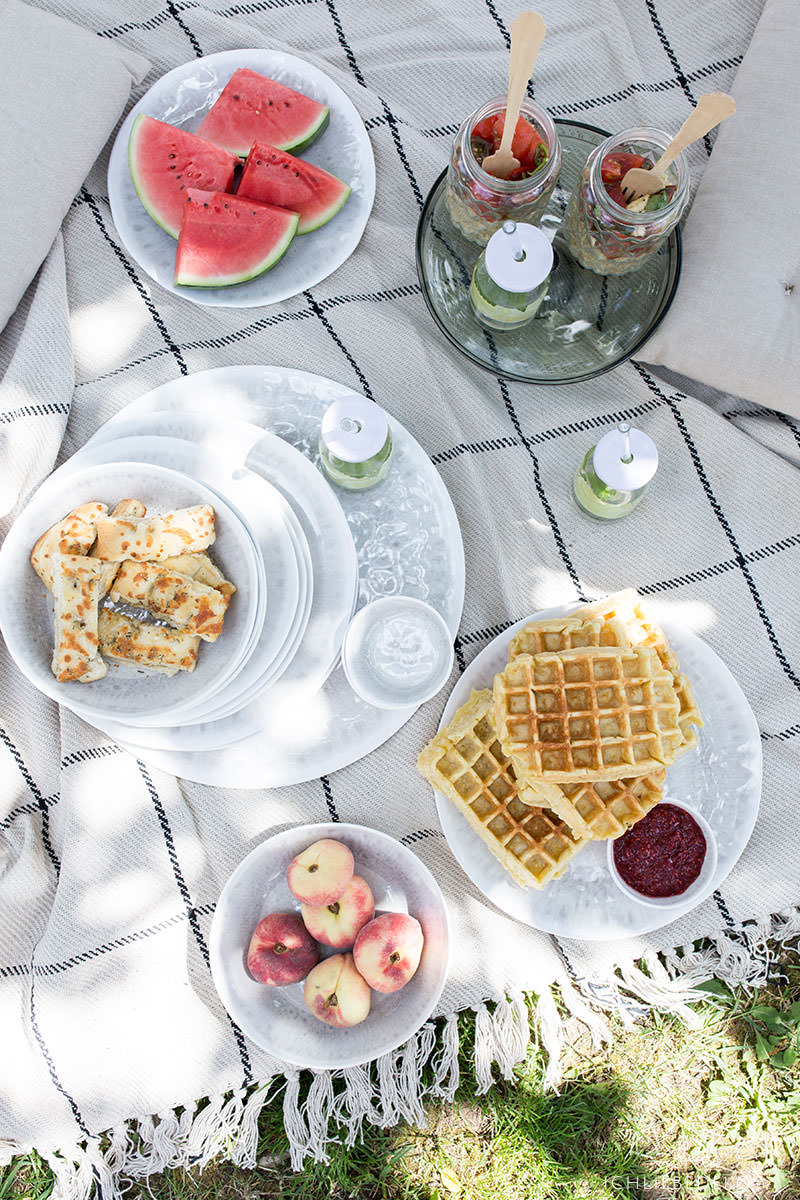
<point x="572" y="743"/>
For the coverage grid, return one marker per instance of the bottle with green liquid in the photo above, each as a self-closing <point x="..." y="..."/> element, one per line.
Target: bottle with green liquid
<point x="616" y="473"/>
<point x="510" y="277"/>
<point x="355" y="443"/>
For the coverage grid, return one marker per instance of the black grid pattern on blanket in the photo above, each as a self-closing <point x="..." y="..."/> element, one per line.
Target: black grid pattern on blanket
<point x="110" y="870"/>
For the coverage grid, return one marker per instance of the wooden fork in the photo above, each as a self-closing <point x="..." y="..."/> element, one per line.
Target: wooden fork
<point x="712" y="109"/>
<point x="527" y="35"/>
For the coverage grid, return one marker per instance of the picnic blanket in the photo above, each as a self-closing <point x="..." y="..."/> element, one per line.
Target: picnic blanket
<point x="118" y="1058"/>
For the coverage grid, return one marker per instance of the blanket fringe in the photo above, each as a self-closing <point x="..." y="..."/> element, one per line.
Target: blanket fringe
<point x="397" y="1086"/>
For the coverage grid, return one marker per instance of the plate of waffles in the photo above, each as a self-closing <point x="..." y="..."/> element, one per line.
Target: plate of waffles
<point x="566" y="731"/>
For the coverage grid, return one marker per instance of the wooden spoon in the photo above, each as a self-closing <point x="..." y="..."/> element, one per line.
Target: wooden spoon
<point x="527" y="35"/>
<point x="712" y="109"/>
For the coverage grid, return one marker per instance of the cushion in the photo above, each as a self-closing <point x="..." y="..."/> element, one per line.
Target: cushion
<point x="735" y="321"/>
<point x="62" y="89"/>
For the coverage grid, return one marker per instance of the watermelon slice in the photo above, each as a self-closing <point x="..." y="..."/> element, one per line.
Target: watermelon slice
<point x="254" y="108"/>
<point x="226" y="239"/>
<point x="165" y="161"/>
<point x="274" y="177"/>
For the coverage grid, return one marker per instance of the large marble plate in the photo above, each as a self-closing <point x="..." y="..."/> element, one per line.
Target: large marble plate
<point x="406" y="537"/>
<point x="720" y="779"/>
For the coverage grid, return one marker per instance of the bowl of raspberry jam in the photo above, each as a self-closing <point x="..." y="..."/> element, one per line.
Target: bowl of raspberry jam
<point x="667" y="859"/>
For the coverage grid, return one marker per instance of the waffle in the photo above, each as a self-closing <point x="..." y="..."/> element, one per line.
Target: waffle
<point x="466" y="763"/>
<point x="598" y="713"/>
<point x="626" y="608"/>
<point x="567" y="633"/>
<point x="605" y="807"/>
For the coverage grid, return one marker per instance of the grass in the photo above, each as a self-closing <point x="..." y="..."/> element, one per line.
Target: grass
<point x="664" y="1113"/>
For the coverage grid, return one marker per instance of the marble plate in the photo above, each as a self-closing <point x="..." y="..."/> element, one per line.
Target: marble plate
<point x="720" y="779"/>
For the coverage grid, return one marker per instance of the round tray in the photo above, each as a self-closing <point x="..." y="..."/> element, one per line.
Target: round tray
<point x="407" y="540"/>
<point x="587" y="325"/>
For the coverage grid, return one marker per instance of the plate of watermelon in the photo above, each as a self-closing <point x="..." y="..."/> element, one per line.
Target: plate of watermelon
<point x="242" y="178"/>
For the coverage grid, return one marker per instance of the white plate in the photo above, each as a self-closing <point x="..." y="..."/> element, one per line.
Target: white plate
<point x="280" y="541"/>
<point x="26" y="607"/>
<point x="276" y="1018"/>
<point x="720" y="779"/>
<point x="183" y="97"/>
<point x="408" y="540"/>
<point x="333" y="565"/>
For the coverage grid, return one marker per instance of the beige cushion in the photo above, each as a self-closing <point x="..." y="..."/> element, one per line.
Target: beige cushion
<point x="735" y="321"/>
<point x="62" y="89"/>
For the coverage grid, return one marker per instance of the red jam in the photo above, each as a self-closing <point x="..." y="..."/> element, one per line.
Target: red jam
<point x="662" y="854"/>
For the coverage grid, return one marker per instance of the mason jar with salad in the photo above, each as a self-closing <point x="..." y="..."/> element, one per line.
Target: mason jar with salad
<point x="478" y="202"/>
<point x="608" y="234"/>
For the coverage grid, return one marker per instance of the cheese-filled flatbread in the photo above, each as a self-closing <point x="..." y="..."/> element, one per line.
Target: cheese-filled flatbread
<point x="75" y="534"/>
<point x="201" y="568"/>
<point x="156" y="647"/>
<point x="76" y="588"/>
<point x="180" y="600"/>
<point x="184" y="531"/>
<point x="126" y="508"/>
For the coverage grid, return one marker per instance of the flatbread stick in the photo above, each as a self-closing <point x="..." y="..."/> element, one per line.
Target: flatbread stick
<point x="76" y="587"/>
<point x="157" y="647"/>
<point x="75" y="534"/>
<point x="177" y="598"/>
<point x="184" y="531"/>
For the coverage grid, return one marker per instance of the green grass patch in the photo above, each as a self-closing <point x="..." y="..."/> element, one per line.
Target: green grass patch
<point x="666" y="1112"/>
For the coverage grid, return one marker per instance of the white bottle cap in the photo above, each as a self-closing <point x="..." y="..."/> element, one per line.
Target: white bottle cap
<point x="519" y="257"/>
<point x="354" y="428"/>
<point x="625" y="459"/>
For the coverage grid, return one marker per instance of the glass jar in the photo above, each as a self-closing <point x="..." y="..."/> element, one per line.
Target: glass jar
<point x="355" y="443"/>
<point x="510" y="277"/>
<point x="479" y="203"/>
<point x="604" y="236"/>
<point x="615" y="474"/>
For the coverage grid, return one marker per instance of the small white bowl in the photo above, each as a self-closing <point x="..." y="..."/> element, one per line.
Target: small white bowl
<point x="397" y="652"/>
<point x="696" y="890"/>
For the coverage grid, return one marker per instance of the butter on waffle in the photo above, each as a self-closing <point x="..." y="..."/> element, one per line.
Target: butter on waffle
<point x="626" y="607"/>
<point x="466" y="763"/>
<point x="598" y="713"/>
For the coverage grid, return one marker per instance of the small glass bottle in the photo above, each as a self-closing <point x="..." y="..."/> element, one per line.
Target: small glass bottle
<point x="606" y="237"/>
<point x="510" y="277"/>
<point x="478" y="202"/>
<point x="355" y="442"/>
<point x="615" y="474"/>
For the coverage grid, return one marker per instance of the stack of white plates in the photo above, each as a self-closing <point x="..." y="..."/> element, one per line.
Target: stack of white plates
<point x="279" y="629"/>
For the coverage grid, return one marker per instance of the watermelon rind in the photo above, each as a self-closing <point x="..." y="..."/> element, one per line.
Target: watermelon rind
<point x="247" y="111"/>
<point x="204" y="164"/>
<point x="277" y="248"/>
<point x="312" y="133"/>
<point x="275" y="177"/>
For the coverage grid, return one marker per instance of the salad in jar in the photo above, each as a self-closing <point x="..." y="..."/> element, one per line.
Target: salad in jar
<point x="479" y="203"/>
<point x="603" y="231"/>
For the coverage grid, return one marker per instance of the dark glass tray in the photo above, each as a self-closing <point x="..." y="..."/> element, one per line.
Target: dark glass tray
<point x="587" y="324"/>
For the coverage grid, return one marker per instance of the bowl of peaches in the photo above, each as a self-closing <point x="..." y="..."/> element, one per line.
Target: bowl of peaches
<point x="329" y="945"/>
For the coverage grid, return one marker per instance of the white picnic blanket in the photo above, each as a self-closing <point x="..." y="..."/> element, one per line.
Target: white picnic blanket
<point x="110" y="870"/>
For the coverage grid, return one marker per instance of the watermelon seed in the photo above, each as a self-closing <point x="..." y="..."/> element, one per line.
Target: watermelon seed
<point x="172" y="155"/>
<point x="235" y="96"/>
<point x="258" y="162"/>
